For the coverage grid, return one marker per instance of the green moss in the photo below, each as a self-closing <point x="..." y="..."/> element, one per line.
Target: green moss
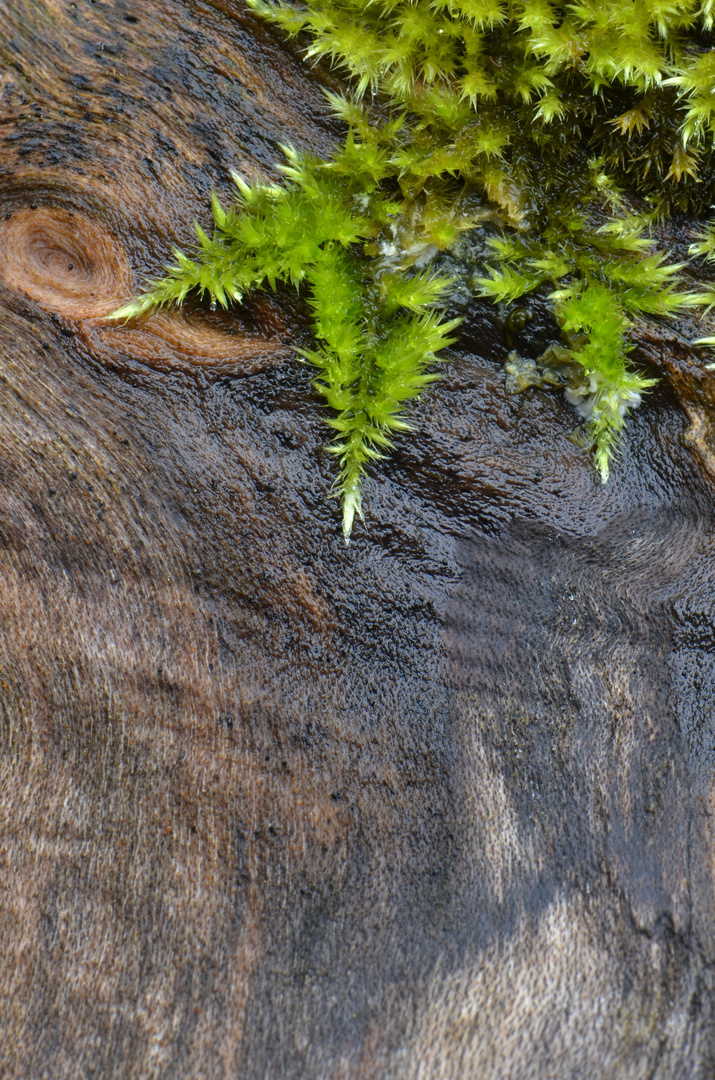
<point x="577" y="126"/>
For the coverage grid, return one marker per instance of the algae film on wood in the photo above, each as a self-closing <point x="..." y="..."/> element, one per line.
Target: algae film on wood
<point x="573" y="128"/>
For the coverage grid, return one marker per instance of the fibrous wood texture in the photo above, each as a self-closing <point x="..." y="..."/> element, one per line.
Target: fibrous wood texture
<point x="436" y="805"/>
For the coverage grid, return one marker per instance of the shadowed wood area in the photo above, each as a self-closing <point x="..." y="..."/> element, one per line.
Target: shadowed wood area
<point x="437" y="805"/>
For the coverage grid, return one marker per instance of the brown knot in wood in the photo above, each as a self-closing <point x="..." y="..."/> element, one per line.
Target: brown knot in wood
<point x="65" y="261"/>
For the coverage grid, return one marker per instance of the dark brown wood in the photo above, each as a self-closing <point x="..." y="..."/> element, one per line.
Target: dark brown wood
<point x="438" y="805"/>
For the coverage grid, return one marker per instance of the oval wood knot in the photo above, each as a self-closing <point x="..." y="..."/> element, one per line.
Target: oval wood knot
<point x="65" y="261"/>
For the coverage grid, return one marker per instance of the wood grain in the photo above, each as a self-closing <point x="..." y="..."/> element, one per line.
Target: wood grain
<point x="436" y="805"/>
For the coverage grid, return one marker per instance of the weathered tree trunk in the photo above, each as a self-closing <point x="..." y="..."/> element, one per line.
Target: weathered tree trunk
<point x="438" y="804"/>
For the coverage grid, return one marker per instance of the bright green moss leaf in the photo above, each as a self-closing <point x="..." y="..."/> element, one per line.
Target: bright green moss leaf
<point x="576" y="126"/>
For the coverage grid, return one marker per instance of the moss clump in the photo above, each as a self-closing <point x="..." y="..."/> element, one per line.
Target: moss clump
<point x="578" y="126"/>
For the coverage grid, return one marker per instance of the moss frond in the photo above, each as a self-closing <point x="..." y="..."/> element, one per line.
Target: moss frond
<point x="578" y="125"/>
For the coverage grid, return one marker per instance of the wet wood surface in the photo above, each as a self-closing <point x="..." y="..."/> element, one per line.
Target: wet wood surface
<point x="435" y="805"/>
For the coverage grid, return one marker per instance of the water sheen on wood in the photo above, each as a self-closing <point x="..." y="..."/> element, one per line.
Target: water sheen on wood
<point x="438" y="805"/>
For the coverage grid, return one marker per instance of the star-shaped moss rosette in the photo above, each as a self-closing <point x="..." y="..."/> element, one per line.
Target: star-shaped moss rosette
<point x="577" y="126"/>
